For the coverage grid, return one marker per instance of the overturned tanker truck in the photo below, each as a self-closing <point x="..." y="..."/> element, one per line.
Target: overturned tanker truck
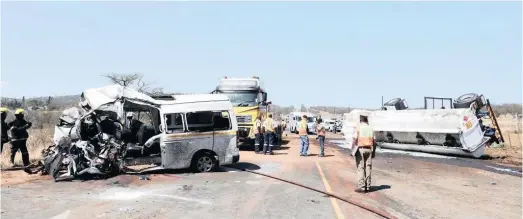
<point x="455" y="130"/>
<point x="101" y="138"/>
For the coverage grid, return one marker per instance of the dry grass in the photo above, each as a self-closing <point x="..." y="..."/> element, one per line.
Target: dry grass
<point x="511" y="153"/>
<point x="38" y="139"/>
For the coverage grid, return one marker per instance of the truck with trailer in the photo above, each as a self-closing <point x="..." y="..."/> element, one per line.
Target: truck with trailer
<point x="249" y="100"/>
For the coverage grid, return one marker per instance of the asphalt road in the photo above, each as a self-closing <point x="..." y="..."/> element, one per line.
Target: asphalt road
<point x="406" y="187"/>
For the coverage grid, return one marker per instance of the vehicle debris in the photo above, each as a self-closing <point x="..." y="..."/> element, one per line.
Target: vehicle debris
<point x="454" y="130"/>
<point x="108" y="133"/>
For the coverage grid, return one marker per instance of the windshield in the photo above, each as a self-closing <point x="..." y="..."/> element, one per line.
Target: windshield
<point x="311" y="119"/>
<point x="242" y="98"/>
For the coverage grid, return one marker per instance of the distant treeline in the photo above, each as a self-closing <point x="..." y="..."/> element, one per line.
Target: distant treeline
<point x="61" y="102"/>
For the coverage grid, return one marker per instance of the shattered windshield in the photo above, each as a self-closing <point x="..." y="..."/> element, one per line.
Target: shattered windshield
<point x="248" y="98"/>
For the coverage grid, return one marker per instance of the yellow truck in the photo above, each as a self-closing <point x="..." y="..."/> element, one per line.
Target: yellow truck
<point x="249" y="100"/>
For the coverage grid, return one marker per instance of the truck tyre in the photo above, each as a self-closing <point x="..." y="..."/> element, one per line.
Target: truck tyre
<point x="465" y="100"/>
<point x="392" y="102"/>
<point x="204" y="162"/>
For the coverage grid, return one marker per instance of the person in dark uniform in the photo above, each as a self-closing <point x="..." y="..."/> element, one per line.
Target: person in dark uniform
<point x="19" y="136"/>
<point x="5" y="137"/>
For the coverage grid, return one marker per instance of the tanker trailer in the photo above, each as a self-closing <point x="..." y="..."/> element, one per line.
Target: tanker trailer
<point x="454" y="131"/>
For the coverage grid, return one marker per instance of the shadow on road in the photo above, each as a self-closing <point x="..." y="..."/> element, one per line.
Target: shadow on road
<point x="378" y="188"/>
<point x="327" y="155"/>
<point x="243" y="165"/>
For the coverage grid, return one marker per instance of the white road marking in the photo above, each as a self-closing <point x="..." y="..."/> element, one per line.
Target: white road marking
<point x="122" y="194"/>
<point x="63" y="215"/>
<point x="504" y="169"/>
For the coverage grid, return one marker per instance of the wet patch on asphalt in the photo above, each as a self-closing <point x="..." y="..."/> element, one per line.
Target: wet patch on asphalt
<point x="449" y="160"/>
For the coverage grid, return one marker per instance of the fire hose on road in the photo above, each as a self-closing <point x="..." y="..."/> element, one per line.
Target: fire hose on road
<point x="375" y="211"/>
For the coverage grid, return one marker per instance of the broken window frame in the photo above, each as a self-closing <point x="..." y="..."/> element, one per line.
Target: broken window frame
<point x="228" y="117"/>
<point x="176" y="128"/>
<point x="200" y="127"/>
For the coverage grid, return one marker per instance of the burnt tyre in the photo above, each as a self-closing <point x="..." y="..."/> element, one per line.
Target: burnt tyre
<point x="204" y="162"/>
<point x="392" y="102"/>
<point x="465" y="100"/>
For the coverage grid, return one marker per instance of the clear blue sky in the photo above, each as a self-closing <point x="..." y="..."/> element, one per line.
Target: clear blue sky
<point x="315" y="53"/>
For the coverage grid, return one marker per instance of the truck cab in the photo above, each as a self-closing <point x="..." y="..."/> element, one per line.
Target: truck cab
<point x="248" y="99"/>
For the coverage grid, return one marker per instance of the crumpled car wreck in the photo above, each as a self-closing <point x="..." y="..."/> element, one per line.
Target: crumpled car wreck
<point x="101" y="138"/>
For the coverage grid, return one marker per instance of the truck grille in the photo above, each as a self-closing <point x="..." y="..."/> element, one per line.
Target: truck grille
<point x="244" y="119"/>
<point x="243" y="132"/>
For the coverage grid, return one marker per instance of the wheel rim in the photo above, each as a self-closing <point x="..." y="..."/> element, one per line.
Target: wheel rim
<point x="205" y="164"/>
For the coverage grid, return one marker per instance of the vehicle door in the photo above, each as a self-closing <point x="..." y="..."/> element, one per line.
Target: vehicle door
<point x="224" y="135"/>
<point x="173" y="141"/>
<point x="199" y="133"/>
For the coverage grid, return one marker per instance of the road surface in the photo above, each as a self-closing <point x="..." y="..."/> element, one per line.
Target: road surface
<point x="406" y="187"/>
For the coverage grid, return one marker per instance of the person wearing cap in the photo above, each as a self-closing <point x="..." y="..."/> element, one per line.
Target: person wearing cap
<point x="283" y="125"/>
<point x="19" y="136"/>
<point x="268" y="129"/>
<point x="258" y="134"/>
<point x="320" y="129"/>
<point x="303" y="130"/>
<point x="5" y="137"/>
<point x="363" y="149"/>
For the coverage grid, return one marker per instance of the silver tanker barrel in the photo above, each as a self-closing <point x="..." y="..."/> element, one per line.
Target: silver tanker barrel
<point x="442" y="131"/>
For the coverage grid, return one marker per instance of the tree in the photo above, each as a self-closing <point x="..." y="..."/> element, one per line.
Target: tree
<point x="49" y="100"/>
<point x="134" y="80"/>
<point x="303" y="108"/>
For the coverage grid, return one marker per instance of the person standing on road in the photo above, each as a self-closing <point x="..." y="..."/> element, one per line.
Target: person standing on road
<point x="363" y="148"/>
<point x="320" y="129"/>
<point x="5" y="137"/>
<point x="268" y="130"/>
<point x="19" y="136"/>
<point x="283" y="125"/>
<point x="258" y="135"/>
<point x="304" y="138"/>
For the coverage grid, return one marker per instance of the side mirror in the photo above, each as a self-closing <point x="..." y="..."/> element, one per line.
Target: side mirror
<point x="264" y="97"/>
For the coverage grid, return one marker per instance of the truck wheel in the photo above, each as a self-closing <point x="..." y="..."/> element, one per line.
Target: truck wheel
<point x="465" y="100"/>
<point x="204" y="162"/>
<point x="392" y="102"/>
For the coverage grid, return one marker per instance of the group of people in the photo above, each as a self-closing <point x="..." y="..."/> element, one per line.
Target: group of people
<point x="265" y="134"/>
<point x="19" y="135"/>
<point x="303" y="132"/>
<point x="363" y="148"/>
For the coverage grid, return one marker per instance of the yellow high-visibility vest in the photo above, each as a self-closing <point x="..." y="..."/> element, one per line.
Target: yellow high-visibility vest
<point x="365" y="135"/>
<point x="302" y="127"/>
<point x="268" y="125"/>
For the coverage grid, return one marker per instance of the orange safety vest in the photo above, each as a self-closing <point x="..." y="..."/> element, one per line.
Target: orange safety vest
<point x="365" y="135"/>
<point x="302" y="127"/>
<point x="321" y="131"/>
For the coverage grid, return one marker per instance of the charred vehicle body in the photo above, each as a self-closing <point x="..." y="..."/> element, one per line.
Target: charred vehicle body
<point x="108" y="134"/>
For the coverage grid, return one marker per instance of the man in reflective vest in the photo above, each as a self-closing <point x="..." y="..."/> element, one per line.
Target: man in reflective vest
<point x="19" y="136"/>
<point x="268" y="130"/>
<point x="363" y="148"/>
<point x="304" y="138"/>
<point x="258" y="134"/>
<point x="5" y="137"/>
<point x="320" y="129"/>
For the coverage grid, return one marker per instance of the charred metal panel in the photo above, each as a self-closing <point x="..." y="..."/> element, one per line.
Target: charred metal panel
<point x="178" y="149"/>
<point x="225" y="147"/>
